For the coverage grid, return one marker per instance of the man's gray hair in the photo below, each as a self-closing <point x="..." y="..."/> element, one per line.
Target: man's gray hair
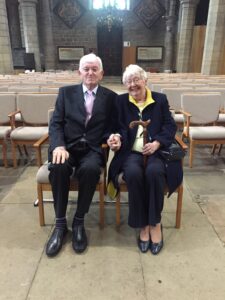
<point x="134" y="70"/>
<point x="91" y="57"/>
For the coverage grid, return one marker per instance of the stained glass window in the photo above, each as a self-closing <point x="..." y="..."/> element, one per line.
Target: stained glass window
<point x="118" y="4"/>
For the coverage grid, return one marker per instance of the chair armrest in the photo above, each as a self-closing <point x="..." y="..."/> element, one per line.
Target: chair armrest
<point x="12" y="120"/>
<point x="187" y="114"/>
<point x="37" y="145"/>
<point x="187" y="120"/>
<point x="181" y="143"/>
<point x="104" y="146"/>
<point x="41" y="141"/>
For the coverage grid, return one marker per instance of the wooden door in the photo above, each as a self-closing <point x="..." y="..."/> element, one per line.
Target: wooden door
<point x="110" y="49"/>
<point x="129" y="56"/>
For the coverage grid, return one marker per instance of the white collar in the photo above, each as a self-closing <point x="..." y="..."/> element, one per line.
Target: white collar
<point x="85" y="89"/>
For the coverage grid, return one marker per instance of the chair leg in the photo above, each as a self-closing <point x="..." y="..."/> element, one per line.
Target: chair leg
<point x="101" y="204"/>
<point x="214" y="149"/>
<point x="179" y="205"/>
<point x="220" y="148"/>
<point x="191" y="153"/>
<point x="14" y="155"/>
<point x="20" y="151"/>
<point x="105" y="184"/>
<point x="118" y="209"/>
<point x="4" y="154"/>
<point x="40" y="205"/>
<point x="25" y="150"/>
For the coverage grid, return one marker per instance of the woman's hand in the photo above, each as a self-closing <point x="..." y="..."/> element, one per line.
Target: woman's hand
<point x="60" y="155"/>
<point x="150" y="148"/>
<point x="114" y="142"/>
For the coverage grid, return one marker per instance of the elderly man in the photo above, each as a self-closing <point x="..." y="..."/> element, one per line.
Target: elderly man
<point x="81" y="121"/>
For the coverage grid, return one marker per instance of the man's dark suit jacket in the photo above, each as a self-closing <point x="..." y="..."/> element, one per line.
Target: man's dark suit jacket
<point x="67" y="125"/>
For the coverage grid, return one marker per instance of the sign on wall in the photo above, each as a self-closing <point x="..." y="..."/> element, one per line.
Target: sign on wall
<point x="150" y="53"/>
<point x="70" y="53"/>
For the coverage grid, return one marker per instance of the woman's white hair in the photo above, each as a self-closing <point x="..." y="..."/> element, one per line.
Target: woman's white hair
<point x="91" y="57"/>
<point x="134" y="70"/>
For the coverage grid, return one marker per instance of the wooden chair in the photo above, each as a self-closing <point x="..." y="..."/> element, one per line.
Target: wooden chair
<point x="179" y="191"/>
<point x="43" y="184"/>
<point x="201" y="113"/>
<point x="34" y="112"/>
<point x="221" y="119"/>
<point x="174" y="99"/>
<point x="7" y="105"/>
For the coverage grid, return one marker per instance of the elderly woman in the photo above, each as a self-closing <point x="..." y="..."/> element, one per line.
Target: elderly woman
<point x="145" y="181"/>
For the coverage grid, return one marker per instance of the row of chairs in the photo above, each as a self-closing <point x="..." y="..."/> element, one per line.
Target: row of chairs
<point x="197" y="109"/>
<point x="29" y="89"/>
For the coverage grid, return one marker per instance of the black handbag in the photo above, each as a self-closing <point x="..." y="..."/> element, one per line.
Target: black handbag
<point x="173" y="152"/>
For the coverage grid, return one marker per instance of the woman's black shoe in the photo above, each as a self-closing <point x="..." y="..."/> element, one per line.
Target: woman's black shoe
<point x="143" y="245"/>
<point x="155" y="248"/>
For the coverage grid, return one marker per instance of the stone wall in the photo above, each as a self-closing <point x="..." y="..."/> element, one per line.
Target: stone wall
<point x="84" y="33"/>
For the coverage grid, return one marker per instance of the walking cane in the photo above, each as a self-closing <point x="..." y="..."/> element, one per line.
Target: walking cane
<point x="144" y="124"/>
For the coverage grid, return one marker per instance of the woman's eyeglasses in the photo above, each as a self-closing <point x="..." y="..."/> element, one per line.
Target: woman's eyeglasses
<point x="134" y="81"/>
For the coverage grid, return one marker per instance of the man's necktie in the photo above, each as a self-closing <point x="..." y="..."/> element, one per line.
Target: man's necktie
<point x="89" y="101"/>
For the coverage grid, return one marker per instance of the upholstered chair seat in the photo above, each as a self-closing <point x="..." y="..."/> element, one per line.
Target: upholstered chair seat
<point x="27" y="133"/>
<point x="42" y="175"/>
<point x="206" y="132"/>
<point x="4" y="131"/>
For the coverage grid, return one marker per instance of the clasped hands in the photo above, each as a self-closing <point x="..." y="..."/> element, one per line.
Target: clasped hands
<point x="114" y="142"/>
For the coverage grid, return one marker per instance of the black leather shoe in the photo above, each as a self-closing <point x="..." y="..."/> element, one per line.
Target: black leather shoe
<point x="79" y="239"/>
<point x="143" y="245"/>
<point x="55" y="242"/>
<point x="155" y="248"/>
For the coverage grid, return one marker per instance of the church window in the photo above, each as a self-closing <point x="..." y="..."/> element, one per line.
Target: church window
<point x="118" y="4"/>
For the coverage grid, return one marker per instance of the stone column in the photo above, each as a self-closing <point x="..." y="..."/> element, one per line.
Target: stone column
<point x="188" y="11"/>
<point x="14" y="23"/>
<point x="214" y="39"/>
<point x="29" y="18"/>
<point x="170" y="34"/>
<point x="48" y="42"/>
<point x="6" y="64"/>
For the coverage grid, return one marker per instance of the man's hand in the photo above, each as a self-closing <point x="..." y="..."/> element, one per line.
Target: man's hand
<point x="114" y="142"/>
<point x="150" y="148"/>
<point x="60" y="155"/>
